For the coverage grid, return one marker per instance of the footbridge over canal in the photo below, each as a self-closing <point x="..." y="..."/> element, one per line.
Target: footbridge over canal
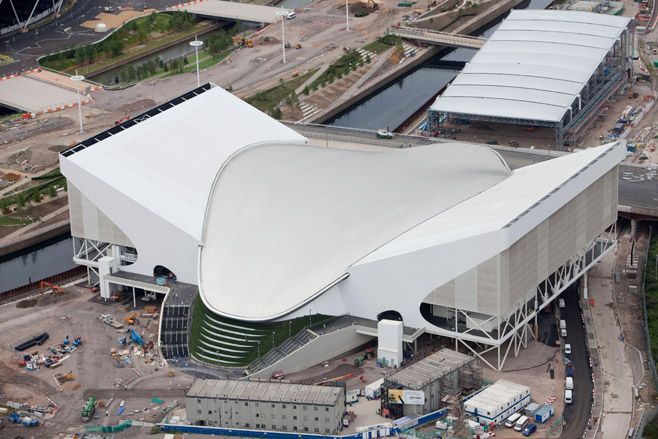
<point x="437" y="38"/>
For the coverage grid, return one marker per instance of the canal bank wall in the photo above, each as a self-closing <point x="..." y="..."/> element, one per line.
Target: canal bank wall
<point x="34" y="238"/>
<point x="468" y="28"/>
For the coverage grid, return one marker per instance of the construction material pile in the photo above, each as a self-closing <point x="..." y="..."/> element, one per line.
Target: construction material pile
<point x="53" y="357"/>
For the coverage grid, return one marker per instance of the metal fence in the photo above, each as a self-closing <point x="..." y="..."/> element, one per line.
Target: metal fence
<point x="597" y="374"/>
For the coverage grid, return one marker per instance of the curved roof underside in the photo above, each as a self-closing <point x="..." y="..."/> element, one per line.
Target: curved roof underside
<point x="533" y="66"/>
<point x="285" y="221"/>
<point x="168" y="162"/>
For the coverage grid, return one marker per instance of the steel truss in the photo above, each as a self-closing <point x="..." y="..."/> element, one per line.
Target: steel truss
<point x="511" y="333"/>
<point x="88" y="252"/>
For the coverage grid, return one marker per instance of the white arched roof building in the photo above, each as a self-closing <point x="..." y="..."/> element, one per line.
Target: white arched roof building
<point x="270" y="228"/>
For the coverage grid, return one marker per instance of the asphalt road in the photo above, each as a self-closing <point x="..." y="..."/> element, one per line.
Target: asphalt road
<point x="25" y="48"/>
<point x="576" y="415"/>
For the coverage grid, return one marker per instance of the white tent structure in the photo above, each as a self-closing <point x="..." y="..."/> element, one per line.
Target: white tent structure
<point x="541" y="68"/>
<point x="269" y="228"/>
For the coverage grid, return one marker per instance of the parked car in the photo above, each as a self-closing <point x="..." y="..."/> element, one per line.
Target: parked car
<point x="568" y="396"/>
<point x="509" y="422"/>
<point x="521" y="423"/>
<point x="383" y="134"/>
<point x="291" y="15"/>
<point x="529" y="429"/>
<point x="567" y="349"/>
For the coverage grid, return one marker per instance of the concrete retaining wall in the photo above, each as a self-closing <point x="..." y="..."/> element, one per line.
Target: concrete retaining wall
<point x="321" y="349"/>
<point x="35" y="238"/>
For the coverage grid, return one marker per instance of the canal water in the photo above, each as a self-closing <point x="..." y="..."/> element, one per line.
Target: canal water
<point x="395" y="103"/>
<point x="52" y="257"/>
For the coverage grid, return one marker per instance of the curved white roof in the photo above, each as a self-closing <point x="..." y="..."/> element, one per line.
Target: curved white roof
<point x="168" y="163"/>
<point x="534" y="65"/>
<point x="285" y="222"/>
<point x="499" y="205"/>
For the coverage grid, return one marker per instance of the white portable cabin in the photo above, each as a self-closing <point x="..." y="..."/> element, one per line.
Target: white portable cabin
<point x="497" y="402"/>
<point x="373" y="390"/>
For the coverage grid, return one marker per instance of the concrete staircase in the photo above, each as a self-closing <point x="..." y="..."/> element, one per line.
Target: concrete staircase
<point x="283" y="350"/>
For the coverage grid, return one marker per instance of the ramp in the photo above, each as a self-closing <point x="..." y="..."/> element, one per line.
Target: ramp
<point x="232" y="10"/>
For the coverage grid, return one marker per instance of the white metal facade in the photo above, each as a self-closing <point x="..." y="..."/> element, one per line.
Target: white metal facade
<point x="438" y="233"/>
<point x="534" y="66"/>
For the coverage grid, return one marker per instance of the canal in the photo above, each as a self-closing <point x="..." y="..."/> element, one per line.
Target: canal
<point x="395" y="103"/>
<point x="47" y="259"/>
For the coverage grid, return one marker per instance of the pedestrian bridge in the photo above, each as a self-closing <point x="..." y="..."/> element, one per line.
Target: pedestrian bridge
<point x="230" y="10"/>
<point x="437" y="38"/>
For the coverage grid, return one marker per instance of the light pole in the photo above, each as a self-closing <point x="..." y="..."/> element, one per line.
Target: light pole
<point x="196" y="44"/>
<point x="78" y="78"/>
<point x="347" y="15"/>
<point x="283" y="15"/>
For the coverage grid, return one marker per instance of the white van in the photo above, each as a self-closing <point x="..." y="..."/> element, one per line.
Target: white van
<point x="568" y="396"/>
<point x="291" y="15"/>
<point x="561" y="303"/>
<point x="563" y="333"/>
<point x="568" y="383"/>
<point x="521" y="423"/>
<point x="509" y="423"/>
<point x="563" y="324"/>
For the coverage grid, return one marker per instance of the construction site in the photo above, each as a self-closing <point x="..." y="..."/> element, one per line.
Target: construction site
<point x="127" y="346"/>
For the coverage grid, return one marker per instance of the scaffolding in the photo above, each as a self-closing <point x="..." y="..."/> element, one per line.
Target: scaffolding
<point x="441" y="374"/>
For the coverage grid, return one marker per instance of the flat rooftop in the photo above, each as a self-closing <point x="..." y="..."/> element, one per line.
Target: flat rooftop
<point x="501" y="391"/>
<point x="26" y="94"/>
<point x="265" y="391"/>
<point x="430" y="369"/>
<point x="235" y="11"/>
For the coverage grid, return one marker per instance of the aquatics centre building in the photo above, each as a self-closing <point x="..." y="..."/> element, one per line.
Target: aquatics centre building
<point x="256" y="237"/>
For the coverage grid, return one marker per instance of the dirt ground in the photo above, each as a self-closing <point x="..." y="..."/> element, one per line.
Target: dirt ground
<point x="76" y="313"/>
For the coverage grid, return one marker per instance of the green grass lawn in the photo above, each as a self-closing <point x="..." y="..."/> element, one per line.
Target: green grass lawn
<point x="281" y="330"/>
<point x="382" y="44"/>
<point x="205" y="60"/>
<point x="342" y="67"/>
<point x="13" y="221"/>
<point x="267" y="100"/>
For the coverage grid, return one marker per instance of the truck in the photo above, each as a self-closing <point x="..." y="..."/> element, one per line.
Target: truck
<point x="89" y="409"/>
<point x="373" y="390"/>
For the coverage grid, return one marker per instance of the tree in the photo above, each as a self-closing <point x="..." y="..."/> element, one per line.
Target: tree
<point x="117" y="47"/>
<point x="52" y="192"/>
<point x="305" y="90"/>
<point x="276" y="113"/>
<point x="36" y="197"/>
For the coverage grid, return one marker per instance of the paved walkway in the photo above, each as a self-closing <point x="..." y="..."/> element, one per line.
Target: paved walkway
<point x="617" y="375"/>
